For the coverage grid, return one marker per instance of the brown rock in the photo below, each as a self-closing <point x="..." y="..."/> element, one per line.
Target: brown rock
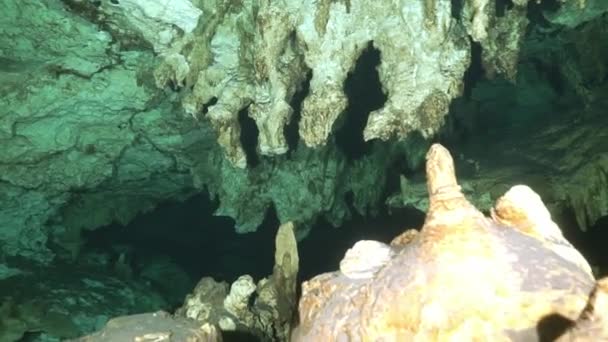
<point x="464" y="277"/>
<point x="592" y="325"/>
<point x="154" y="327"/>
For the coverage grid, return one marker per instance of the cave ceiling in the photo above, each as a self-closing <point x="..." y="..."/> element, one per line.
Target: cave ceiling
<point x="108" y="108"/>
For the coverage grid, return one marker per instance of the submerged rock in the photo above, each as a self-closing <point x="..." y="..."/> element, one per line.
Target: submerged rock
<point x="67" y="301"/>
<point x="464" y="276"/>
<point x="153" y="327"/>
<point x="264" y="310"/>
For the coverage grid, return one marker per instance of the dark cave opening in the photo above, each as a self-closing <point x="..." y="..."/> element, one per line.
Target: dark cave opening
<point x="591" y="243"/>
<point x="536" y="13"/>
<point x="456" y="8"/>
<point x="208" y="104"/>
<point x="502" y="6"/>
<point x="364" y="92"/>
<point x="200" y="244"/>
<point x="322" y="250"/>
<point x="249" y="137"/>
<point x="197" y="244"/>
<point x="548" y="6"/>
<point x="474" y="72"/>
<point x="292" y="135"/>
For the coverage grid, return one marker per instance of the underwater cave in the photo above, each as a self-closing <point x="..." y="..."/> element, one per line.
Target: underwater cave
<point x="128" y="119"/>
<point x="176" y="244"/>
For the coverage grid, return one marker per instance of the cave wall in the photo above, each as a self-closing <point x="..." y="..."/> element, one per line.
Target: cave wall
<point x="110" y="107"/>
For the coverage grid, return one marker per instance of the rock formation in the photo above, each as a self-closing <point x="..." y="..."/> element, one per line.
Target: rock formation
<point x="592" y="325"/>
<point x="463" y="277"/>
<point x="153" y="327"/>
<point x="264" y="310"/>
<point x="92" y="122"/>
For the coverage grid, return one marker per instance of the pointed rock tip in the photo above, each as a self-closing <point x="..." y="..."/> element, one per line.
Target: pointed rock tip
<point x="440" y="173"/>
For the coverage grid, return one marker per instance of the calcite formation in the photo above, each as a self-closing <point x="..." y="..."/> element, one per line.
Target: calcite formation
<point x="572" y="13"/>
<point x="500" y="36"/>
<point x="88" y="138"/>
<point x="463" y="277"/>
<point x="153" y="327"/>
<point x="364" y="259"/>
<point x="269" y="315"/>
<point x="69" y="301"/>
<point x="92" y="127"/>
<point x="592" y="324"/>
<point x="258" y="54"/>
<point x="563" y="158"/>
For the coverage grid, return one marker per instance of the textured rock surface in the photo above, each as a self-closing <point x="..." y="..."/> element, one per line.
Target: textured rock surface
<point x="418" y="90"/>
<point x="567" y="180"/>
<point x="365" y="259"/>
<point x="80" y="139"/>
<point x="268" y="316"/>
<point x="500" y="36"/>
<point x="574" y="12"/>
<point x="89" y="137"/>
<point x="67" y="301"/>
<point x="513" y="210"/>
<point x="153" y="327"/>
<point x="447" y="282"/>
<point x="592" y="325"/>
<point x="259" y="54"/>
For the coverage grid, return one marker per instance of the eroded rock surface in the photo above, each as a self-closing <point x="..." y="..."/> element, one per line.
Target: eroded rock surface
<point x="447" y="281"/>
<point x="92" y="125"/>
<point x="232" y="308"/>
<point x="568" y="179"/>
<point x="592" y="325"/>
<point x="68" y="301"/>
<point x="153" y="327"/>
<point x="257" y="56"/>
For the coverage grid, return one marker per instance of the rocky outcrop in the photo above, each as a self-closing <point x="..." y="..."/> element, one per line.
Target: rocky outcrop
<point x="88" y="138"/>
<point x="92" y="122"/>
<point x="68" y="301"/>
<point x="575" y="12"/>
<point x="592" y="325"/>
<point x="499" y="34"/>
<point x="570" y="180"/>
<point x="264" y="309"/>
<point x="257" y="55"/>
<point x="420" y="287"/>
<point x="153" y="327"/>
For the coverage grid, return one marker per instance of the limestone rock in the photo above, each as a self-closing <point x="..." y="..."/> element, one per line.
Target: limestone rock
<point x="568" y="179"/>
<point x="63" y="128"/>
<point x="404" y="238"/>
<point x="500" y="37"/>
<point x="166" y="25"/>
<point x="575" y="12"/>
<point x="237" y="301"/>
<point x="269" y="315"/>
<point x="592" y="325"/>
<point x="365" y="259"/>
<point x="522" y="209"/>
<point x="448" y="281"/>
<point x="68" y="301"/>
<point x="258" y="60"/>
<point x="153" y="327"/>
<point x="87" y="138"/>
<point x="201" y="304"/>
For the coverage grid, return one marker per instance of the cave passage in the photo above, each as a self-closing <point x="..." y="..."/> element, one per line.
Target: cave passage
<point x="201" y="244"/>
<point x="325" y="246"/>
<point x="364" y="92"/>
<point x="197" y="242"/>
<point x="590" y="243"/>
